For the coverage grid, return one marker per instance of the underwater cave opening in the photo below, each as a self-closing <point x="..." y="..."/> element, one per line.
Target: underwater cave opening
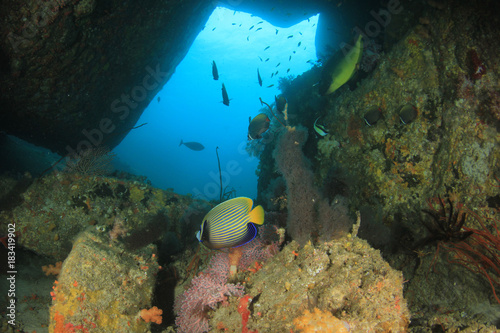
<point x="189" y="107"/>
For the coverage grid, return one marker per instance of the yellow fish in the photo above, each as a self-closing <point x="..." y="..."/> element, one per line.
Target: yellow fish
<point x="338" y="71"/>
<point x="230" y="224"/>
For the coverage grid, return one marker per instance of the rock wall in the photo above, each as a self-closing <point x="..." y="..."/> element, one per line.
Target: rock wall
<point x="79" y="73"/>
<point x="433" y="145"/>
<point x="436" y="92"/>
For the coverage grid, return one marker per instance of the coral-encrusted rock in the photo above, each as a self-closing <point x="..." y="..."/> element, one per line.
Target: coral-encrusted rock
<point x="57" y="207"/>
<point x="102" y="288"/>
<point x="346" y="278"/>
<point x="68" y="79"/>
<point x="84" y="7"/>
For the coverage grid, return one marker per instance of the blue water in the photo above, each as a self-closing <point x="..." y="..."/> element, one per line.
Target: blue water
<point x="191" y="108"/>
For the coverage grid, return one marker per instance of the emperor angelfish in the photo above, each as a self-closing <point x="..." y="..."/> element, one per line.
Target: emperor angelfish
<point x="230" y="224"/>
<point x="340" y="68"/>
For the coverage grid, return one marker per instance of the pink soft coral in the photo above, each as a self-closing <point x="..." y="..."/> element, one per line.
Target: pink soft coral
<point x="206" y="291"/>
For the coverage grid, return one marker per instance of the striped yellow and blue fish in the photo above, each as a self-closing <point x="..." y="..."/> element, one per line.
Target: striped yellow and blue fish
<point x="230" y="224"/>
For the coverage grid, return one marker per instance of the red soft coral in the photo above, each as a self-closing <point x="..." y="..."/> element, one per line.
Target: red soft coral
<point x="245" y="313"/>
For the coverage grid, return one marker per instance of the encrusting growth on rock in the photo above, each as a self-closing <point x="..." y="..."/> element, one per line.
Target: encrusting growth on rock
<point x="152" y="315"/>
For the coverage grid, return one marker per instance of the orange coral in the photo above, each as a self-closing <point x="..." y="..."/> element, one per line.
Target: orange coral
<point x="319" y="321"/>
<point x="51" y="269"/>
<point x="245" y="313"/>
<point x="152" y="315"/>
<point x="59" y="319"/>
<point x="256" y="268"/>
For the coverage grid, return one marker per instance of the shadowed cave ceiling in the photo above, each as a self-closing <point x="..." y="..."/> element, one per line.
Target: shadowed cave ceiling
<point x="79" y="73"/>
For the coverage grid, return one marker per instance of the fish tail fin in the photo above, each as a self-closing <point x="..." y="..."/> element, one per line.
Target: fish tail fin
<point x="257" y="215"/>
<point x="180" y="144"/>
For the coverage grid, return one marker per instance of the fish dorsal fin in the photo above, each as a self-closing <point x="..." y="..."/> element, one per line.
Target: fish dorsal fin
<point x="257" y="215"/>
<point x="247" y="202"/>
<point x="243" y="203"/>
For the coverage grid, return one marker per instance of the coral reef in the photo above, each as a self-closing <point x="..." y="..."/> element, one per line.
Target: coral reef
<point x="476" y="68"/>
<point x="442" y="63"/>
<point x="56" y="207"/>
<point x="101" y="288"/>
<point x="92" y="161"/>
<point x="327" y="145"/>
<point x="274" y="197"/>
<point x="245" y="313"/>
<point x="319" y="321"/>
<point x="371" y="55"/>
<point x="309" y="213"/>
<point x="301" y="194"/>
<point x="84" y="7"/>
<point x="205" y="292"/>
<point x="344" y="278"/>
<point x="211" y="286"/>
<point x="446" y="144"/>
<point x="52" y="269"/>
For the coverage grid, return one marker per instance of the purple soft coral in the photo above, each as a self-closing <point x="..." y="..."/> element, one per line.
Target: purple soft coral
<point x="206" y="290"/>
<point x="210" y="287"/>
